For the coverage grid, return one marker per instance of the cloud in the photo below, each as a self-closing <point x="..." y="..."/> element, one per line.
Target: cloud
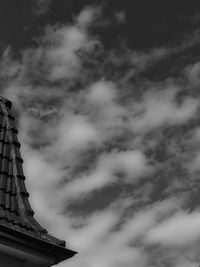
<point x="90" y="121"/>
<point x="194" y="163"/>
<point x="186" y="263"/>
<point x="114" y="246"/>
<point x="95" y="231"/>
<point x="41" y="6"/>
<point x="144" y="220"/>
<point x="120" y="16"/>
<point x="76" y="132"/>
<point x="63" y="57"/>
<point x="102" y="97"/>
<point x="88" y="15"/>
<point x="102" y="93"/>
<point x="193" y="74"/>
<point x="136" y="62"/>
<point x="131" y="164"/>
<point x="160" y="108"/>
<point x="179" y="230"/>
<point x="142" y="60"/>
<point x="87" y="184"/>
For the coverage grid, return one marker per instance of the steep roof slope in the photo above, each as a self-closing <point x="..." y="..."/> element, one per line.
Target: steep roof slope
<point x="15" y="210"/>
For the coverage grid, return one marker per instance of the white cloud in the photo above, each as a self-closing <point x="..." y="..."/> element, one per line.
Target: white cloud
<point x="112" y="248"/>
<point x="178" y="230"/>
<point x="107" y="113"/>
<point x="69" y="117"/>
<point x="63" y="58"/>
<point x="137" y="225"/>
<point x="95" y="231"/>
<point x="160" y="108"/>
<point x="67" y="42"/>
<point x="132" y="164"/>
<point x="120" y="16"/>
<point x="142" y="60"/>
<point x="102" y="93"/>
<point x="193" y="74"/>
<point x="182" y="262"/>
<point x="76" y="132"/>
<point x="194" y="164"/>
<point x="87" y="16"/>
<point x="87" y="184"/>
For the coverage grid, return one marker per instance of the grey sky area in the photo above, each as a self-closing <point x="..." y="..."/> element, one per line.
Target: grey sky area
<point x="106" y="98"/>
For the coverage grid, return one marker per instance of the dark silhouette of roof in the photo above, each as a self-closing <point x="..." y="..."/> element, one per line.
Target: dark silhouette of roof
<point x="15" y="210"/>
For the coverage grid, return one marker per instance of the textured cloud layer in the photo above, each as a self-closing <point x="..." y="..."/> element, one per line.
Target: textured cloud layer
<point x="111" y="156"/>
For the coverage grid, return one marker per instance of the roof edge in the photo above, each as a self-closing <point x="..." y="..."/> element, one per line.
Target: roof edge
<point x="59" y="253"/>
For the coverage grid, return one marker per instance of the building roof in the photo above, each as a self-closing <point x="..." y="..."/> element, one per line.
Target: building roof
<point x="15" y="210"/>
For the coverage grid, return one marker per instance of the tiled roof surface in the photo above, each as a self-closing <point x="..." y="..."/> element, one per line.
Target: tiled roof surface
<point x="15" y="210"/>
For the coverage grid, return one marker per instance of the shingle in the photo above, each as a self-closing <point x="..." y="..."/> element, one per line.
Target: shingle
<point x="15" y="209"/>
<point x="8" y="201"/>
<point x="2" y="198"/>
<point x="9" y="184"/>
<point x="2" y="131"/>
<point x="22" y="187"/>
<point x="14" y="140"/>
<point x="10" y="168"/>
<point x="14" y="205"/>
<point x="14" y="189"/>
<point x="1" y="117"/>
<point x="19" y="169"/>
<point x="1" y="146"/>
<point x="3" y="181"/>
<point x="6" y="151"/>
<point x="17" y="153"/>
<point x="4" y="165"/>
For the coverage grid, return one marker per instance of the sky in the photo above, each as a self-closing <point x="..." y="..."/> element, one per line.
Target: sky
<point x="106" y="99"/>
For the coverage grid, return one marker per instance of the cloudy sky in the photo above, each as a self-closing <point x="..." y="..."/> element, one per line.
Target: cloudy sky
<point x="106" y="98"/>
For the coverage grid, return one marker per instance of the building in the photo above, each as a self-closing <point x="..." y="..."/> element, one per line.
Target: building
<point x="23" y="242"/>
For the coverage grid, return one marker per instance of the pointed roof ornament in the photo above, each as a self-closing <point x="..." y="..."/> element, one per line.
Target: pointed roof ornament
<point x="16" y="214"/>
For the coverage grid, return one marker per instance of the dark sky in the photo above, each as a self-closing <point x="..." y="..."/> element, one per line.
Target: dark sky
<point x="107" y="97"/>
<point x="149" y="23"/>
